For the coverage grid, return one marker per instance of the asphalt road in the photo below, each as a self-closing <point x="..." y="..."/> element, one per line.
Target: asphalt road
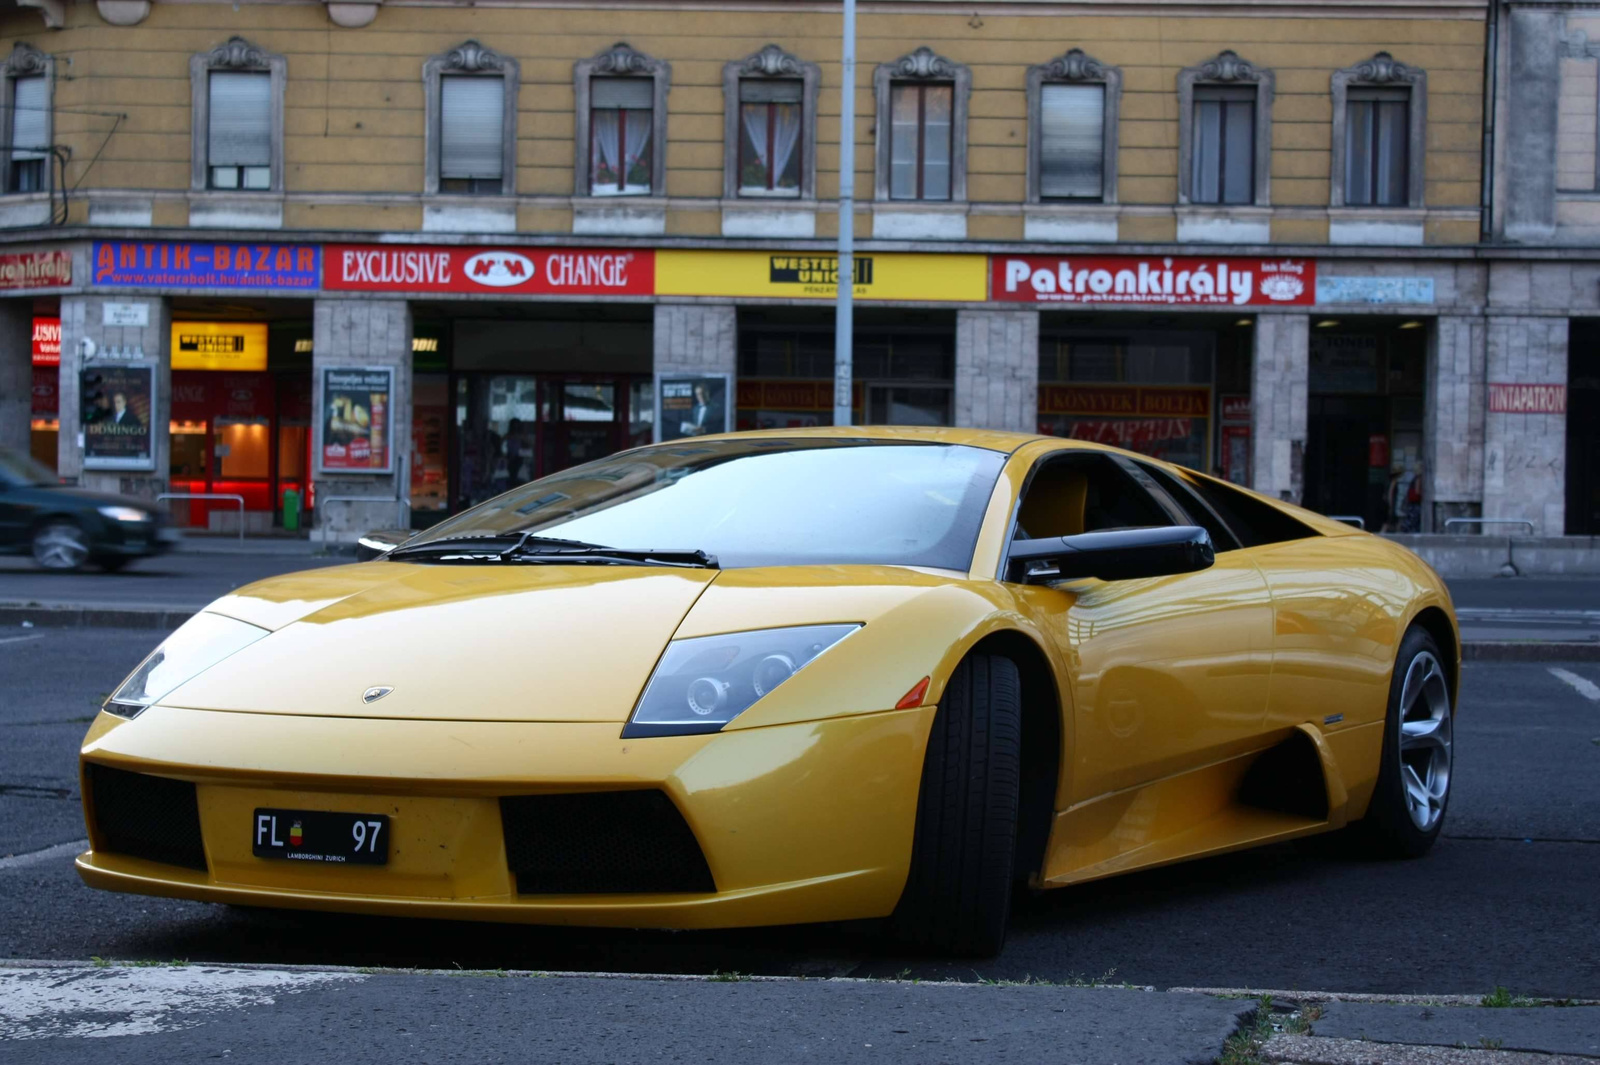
<point x="1507" y="897"/>
<point x="182" y="580"/>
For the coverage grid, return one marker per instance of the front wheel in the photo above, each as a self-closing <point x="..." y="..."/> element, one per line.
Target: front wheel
<point x="1413" y="790"/>
<point x="61" y="546"/>
<point x="957" y="897"/>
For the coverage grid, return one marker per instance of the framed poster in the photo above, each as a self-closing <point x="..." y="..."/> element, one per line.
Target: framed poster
<point x="355" y="419"/>
<point x="119" y="407"/>
<point x="690" y="405"/>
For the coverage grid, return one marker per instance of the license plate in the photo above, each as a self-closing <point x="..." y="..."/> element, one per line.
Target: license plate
<point x="319" y="836"/>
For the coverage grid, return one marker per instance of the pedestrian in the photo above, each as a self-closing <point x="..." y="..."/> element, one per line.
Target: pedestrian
<point x="1412" y="520"/>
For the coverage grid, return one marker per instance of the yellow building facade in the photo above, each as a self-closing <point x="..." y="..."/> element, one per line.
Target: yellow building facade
<point x="490" y="242"/>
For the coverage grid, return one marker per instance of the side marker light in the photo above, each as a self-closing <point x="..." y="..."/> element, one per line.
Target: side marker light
<point x="914" y="696"/>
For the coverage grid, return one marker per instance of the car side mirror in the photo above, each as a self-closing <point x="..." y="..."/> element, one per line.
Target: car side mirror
<point x="1115" y="555"/>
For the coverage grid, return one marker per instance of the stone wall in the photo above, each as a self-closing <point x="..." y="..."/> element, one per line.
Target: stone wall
<point x="1454" y="412"/>
<point x="997" y="370"/>
<point x="1279" y="393"/>
<point x="363" y="333"/>
<point x="16" y="373"/>
<point x="1525" y="455"/>
<point x="696" y="338"/>
<point x="86" y="341"/>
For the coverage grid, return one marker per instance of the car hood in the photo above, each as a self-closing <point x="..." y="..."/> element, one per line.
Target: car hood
<point x="485" y="643"/>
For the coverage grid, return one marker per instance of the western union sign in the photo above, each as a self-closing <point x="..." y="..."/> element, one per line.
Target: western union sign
<point x="219" y="345"/>
<point x="892" y="276"/>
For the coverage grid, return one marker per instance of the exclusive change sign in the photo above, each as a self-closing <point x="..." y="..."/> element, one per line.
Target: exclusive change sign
<point x="502" y="271"/>
<point x="1165" y="279"/>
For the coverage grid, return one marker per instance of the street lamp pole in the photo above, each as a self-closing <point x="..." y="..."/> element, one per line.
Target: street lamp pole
<point x="844" y="315"/>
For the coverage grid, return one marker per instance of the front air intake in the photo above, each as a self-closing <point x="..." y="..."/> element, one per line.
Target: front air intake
<point x="603" y="842"/>
<point x="146" y="817"/>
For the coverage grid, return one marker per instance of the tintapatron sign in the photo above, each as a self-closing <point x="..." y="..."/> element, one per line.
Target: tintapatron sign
<point x="1527" y="399"/>
<point x="1188" y="281"/>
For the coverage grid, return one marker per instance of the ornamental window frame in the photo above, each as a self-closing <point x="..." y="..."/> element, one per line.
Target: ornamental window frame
<point x="771" y="63"/>
<point x="926" y="67"/>
<point x="235" y="55"/>
<point x="470" y="59"/>
<point x="620" y="61"/>
<point x="1226" y="69"/>
<point x="1075" y="67"/>
<point x="1382" y="71"/>
<point x="26" y="61"/>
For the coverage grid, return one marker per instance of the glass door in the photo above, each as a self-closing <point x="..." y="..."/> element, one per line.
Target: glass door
<point x="581" y="422"/>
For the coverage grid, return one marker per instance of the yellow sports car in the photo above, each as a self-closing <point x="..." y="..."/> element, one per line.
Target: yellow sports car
<point x="767" y="678"/>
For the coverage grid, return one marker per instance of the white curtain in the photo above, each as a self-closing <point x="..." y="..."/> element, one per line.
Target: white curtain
<point x="638" y="148"/>
<point x="785" y="139"/>
<point x="605" y="151"/>
<point x="755" y="124"/>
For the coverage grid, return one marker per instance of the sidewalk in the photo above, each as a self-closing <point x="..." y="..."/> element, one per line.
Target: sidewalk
<point x="178" y="1012"/>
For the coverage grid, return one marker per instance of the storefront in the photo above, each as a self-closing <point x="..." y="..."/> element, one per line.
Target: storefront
<point x="1365" y="420"/>
<point x="1583" y="428"/>
<point x="45" y="417"/>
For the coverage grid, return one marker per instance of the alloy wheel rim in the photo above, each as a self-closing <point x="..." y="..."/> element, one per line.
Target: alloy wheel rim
<point x="60" y="547"/>
<point x="1425" y="736"/>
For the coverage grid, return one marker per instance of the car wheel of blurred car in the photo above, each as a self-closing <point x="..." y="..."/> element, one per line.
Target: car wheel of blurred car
<point x="113" y="563"/>
<point x="958" y="894"/>
<point x="1413" y="790"/>
<point x="60" y="545"/>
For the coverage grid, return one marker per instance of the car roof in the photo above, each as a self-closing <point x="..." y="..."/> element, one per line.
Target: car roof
<point x="990" y="439"/>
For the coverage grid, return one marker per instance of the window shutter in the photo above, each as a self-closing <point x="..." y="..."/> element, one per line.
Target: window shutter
<point x="241" y="119"/>
<point x="471" y="127"/>
<point x="1072" y="141"/>
<point x="30" y="118"/>
<point x="632" y="94"/>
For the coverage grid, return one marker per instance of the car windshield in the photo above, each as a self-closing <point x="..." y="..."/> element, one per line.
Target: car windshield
<point x="18" y="468"/>
<point x="760" y="501"/>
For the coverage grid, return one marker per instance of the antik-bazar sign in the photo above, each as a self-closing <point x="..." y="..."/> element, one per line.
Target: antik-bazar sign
<point x="1152" y="279"/>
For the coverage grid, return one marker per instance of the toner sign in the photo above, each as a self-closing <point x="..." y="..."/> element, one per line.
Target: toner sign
<point x="1095" y="279"/>
<point x="491" y="271"/>
<point x="186" y="264"/>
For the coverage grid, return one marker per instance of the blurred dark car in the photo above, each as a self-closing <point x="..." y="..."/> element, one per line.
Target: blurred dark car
<point x="66" y="528"/>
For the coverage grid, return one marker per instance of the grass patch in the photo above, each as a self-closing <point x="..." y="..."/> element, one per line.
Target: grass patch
<point x="1501" y="999"/>
<point x="729" y="976"/>
<point x="1246" y="1046"/>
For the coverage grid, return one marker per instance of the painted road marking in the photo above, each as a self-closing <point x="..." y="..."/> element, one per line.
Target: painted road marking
<point x="60" y="850"/>
<point x="22" y="639"/>
<point x="1586" y="688"/>
<point x="62" y="1003"/>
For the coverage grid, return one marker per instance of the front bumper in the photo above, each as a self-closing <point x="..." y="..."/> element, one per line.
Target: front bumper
<point x="797" y="823"/>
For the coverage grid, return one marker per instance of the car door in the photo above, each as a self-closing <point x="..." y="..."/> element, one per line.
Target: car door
<point x="1168" y="673"/>
<point x="14" y="513"/>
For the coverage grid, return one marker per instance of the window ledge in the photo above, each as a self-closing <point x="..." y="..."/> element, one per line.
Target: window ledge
<point x="1214" y="224"/>
<point x="1377" y="225"/>
<point x="19" y="209"/>
<point x="134" y="212"/>
<point x="919" y="220"/>
<point x="619" y="216"/>
<point x="496" y="213"/>
<point x="221" y="209"/>
<point x="1071" y="223"/>
<point x="770" y="217"/>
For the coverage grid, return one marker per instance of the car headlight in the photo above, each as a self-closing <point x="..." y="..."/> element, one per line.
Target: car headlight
<point x="704" y="682"/>
<point x="125" y="513"/>
<point x="196" y="646"/>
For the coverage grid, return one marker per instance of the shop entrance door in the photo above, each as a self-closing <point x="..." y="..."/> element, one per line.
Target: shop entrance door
<point x="581" y="422"/>
<point x="1339" y="435"/>
<point x="1583" y="429"/>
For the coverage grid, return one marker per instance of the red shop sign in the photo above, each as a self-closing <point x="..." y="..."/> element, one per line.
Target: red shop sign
<point x="47" y="342"/>
<point x="46" y="400"/>
<point x="1074" y="279"/>
<point x="504" y="271"/>
<point x="1527" y="399"/>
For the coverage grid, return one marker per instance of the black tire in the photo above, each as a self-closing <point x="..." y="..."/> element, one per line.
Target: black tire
<point x="957" y="897"/>
<point x="113" y="563"/>
<point x="1389" y="830"/>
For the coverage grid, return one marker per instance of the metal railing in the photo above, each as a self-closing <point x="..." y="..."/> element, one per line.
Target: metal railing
<point x="1533" y="530"/>
<point x="1350" y="519"/>
<point x="210" y="495"/>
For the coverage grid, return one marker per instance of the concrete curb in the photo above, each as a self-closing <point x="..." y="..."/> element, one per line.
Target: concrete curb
<point x="1315" y="1050"/>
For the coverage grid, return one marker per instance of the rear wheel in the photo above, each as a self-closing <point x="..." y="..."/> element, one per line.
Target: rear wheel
<point x="60" y="545"/>
<point x="1413" y="790"/>
<point x="958" y="895"/>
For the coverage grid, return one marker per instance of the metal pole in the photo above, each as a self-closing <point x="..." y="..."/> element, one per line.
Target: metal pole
<point x="844" y="315"/>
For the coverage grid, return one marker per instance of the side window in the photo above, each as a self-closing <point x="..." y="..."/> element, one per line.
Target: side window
<point x="1254" y="521"/>
<point x="1196" y="510"/>
<point x="1076" y="494"/>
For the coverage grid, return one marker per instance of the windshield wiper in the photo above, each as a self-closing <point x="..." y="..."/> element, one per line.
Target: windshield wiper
<point x="527" y="547"/>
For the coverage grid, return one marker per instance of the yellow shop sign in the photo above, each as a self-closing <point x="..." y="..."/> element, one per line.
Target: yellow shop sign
<point x="219" y="345"/>
<point x="815" y="275"/>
